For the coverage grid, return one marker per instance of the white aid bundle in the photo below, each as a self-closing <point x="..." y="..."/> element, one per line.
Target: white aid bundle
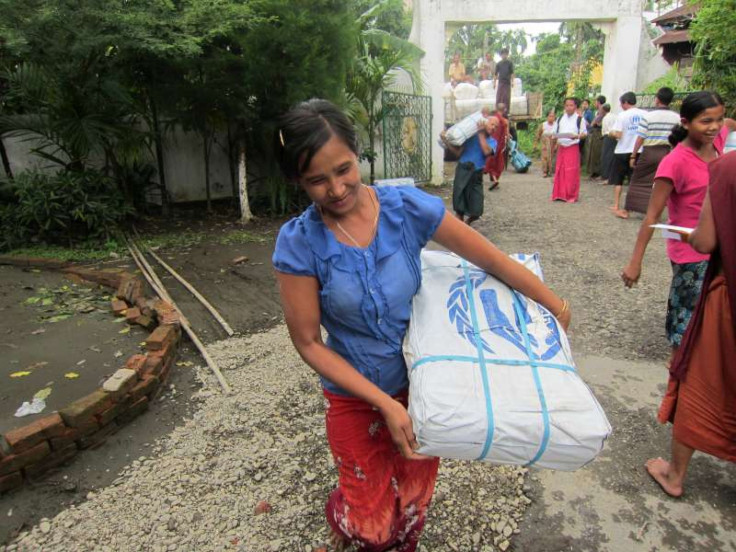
<point x="491" y="374"/>
<point x="459" y="133"/>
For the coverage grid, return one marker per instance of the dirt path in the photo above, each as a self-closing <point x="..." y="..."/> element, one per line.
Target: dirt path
<point x="198" y="484"/>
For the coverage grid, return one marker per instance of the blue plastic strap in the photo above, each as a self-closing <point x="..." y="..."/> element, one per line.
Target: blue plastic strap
<point x="481" y="359"/>
<point x="537" y="381"/>
<point x="499" y="361"/>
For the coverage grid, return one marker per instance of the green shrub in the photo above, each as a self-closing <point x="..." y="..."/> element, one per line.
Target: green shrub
<point x="63" y="208"/>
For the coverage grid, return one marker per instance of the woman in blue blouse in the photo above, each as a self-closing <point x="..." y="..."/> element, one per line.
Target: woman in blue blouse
<point x="350" y="263"/>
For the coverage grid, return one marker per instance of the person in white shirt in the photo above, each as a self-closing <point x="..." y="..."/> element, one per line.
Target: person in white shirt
<point x="609" y="143"/>
<point x="569" y="129"/>
<point x="625" y="130"/>
<point x="652" y="139"/>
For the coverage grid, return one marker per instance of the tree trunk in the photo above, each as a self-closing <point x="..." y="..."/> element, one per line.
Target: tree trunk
<point x="232" y="162"/>
<point x="245" y="213"/>
<point x="205" y="144"/>
<point x="371" y="140"/>
<point x="6" y="161"/>
<point x="159" y="158"/>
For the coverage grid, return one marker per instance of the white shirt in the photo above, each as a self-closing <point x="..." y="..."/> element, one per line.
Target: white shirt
<point x="569" y="125"/>
<point x="607" y="123"/>
<point x="627" y="123"/>
<point x="548" y="128"/>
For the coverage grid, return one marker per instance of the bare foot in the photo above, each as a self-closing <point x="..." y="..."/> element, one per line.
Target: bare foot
<point x="621" y="213"/>
<point x="659" y="469"/>
<point x="613" y="208"/>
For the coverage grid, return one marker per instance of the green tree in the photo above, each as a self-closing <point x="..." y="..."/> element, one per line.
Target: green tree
<point x="473" y="40"/>
<point x="715" y="54"/>
<point x="548" y="69"/>
<point x="379" y="56"/>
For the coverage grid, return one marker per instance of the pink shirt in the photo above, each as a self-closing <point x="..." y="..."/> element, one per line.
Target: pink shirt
<point x="689" y="176"/>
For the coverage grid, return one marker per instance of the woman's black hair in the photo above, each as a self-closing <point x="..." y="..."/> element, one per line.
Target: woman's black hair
<point x="304" y="129"/>
<point x="692" y="106"/>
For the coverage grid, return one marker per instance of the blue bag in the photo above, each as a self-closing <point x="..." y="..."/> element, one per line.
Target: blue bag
<point x="520" y="162"/>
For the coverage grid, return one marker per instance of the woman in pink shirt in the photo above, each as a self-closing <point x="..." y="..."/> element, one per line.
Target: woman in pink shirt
<point x="680" y="184"/>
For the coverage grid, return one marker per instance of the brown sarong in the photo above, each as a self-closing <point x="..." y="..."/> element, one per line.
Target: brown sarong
<point x="702" y="406"/>
<point x="503" y="94"/>
<point x="642" y="179"/>
<point x="593" y="152"/>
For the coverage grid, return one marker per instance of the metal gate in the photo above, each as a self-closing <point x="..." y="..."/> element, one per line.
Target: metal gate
<point x="407" y="128"/>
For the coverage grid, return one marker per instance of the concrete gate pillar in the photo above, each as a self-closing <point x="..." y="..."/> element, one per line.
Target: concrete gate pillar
<point x="428" y="32"/>
<point x="621" y="57"/>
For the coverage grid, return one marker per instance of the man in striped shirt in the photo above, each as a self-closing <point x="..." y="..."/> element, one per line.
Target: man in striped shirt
<point x="653" y="133"/>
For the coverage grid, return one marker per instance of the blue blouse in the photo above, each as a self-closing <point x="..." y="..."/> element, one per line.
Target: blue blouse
<point x="365" y="294"/>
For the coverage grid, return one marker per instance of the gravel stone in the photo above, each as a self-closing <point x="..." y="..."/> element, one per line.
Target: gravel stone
<point x="199" y="488"/>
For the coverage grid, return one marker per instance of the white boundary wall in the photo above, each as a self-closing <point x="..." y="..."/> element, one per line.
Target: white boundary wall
<point x="435" y="21"/>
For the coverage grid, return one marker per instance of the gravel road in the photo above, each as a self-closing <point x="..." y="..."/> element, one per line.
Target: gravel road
<point x="251" y="471"/>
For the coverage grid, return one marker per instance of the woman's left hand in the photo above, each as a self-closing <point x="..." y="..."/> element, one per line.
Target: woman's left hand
<point x="565" y="318"/>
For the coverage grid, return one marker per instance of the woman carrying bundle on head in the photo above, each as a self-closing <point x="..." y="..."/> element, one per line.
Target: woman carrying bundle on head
<point x="680" y="184"/>
<point x="351" y="263"/>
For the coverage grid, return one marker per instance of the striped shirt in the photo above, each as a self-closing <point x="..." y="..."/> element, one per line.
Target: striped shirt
<point x="656" y="125"/>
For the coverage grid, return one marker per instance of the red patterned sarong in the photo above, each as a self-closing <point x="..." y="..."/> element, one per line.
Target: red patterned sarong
<point x="567" y="174"/>
<point x="382" y="498"/>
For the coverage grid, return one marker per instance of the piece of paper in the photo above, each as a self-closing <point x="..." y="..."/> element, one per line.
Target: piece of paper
<point x="28" y="408"/>
<point x="569" y="135"/>
<point x="670" y="231"/>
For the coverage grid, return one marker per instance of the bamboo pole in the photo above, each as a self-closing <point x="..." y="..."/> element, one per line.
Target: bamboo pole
<point x="152" y="278"/>
<point x="193" y="291"/>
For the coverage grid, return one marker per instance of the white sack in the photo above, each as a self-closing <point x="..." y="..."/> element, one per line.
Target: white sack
<point x="474" y="392"/>
<point x="459" y="133"/>
<point x="487" y="90"/>
<point x="465" y="91"/>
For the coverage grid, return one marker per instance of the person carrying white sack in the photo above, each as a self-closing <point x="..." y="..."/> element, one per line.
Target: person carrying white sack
<point x="351" y="263"/>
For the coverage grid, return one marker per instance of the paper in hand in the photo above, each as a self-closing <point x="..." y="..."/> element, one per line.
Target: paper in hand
<point x="671" y="232"/>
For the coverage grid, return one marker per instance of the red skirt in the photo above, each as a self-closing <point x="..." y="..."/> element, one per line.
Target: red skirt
<point x="567" y="174"/>
<point x="382" y="498"/>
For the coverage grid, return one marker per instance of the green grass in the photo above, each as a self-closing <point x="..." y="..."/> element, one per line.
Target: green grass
<point x="82" y="253"/>
<point x="95" y="252"/>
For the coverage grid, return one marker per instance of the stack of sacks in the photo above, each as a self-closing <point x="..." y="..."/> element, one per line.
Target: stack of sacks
<point x="491" y="375"/>
<point x="466" y="96"/>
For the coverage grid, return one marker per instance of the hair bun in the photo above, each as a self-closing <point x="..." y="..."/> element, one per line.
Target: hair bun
<point x="678" y="134"/>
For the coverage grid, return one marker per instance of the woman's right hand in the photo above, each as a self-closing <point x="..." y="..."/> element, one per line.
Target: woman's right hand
<point x="402" y="433"/>
<point x="630" y="274"/>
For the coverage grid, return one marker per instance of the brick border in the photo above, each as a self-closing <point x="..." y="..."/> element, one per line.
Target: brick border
<point x="28" y="452"/>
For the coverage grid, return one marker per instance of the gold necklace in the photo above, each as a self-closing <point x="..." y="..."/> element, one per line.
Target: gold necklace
<point x="373" y="226"/>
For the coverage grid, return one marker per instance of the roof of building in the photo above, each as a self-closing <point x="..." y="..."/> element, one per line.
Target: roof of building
<point x="672" y="37"/>
<point x="685" y="11"/>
